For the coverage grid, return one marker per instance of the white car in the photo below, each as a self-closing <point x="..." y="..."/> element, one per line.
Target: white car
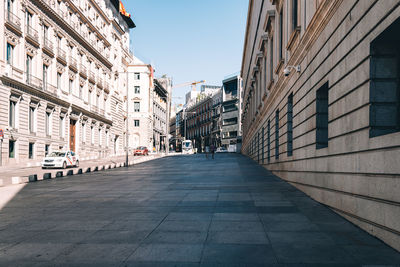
<point x="221" y="150"/>
<point x="60" y="159"/>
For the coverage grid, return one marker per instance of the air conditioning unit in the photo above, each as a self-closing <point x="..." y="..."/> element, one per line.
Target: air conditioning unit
<point x="8" y="70"/>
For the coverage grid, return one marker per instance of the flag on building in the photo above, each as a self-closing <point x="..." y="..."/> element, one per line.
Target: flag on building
<point x="122" y="10"/>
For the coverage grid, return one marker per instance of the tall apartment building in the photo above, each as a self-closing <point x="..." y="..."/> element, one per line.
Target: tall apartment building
<point x="231" y="130"/>
<point x="161" y="112"/>
<point x="61" y="65"/>
<point x="140" y="95"/>
<point x="321" y="103"/>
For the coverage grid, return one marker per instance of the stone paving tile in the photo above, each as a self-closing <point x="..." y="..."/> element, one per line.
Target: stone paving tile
<point x="228" y="253"/>
<point x="236" y="237"/>
<point x="236" y="217"/>
<point x="167" y="252"/>
<point x="177" y="237"/>
<point x="186" y="216"/>
<point x="184" y="226"/>
<point x="241" y="226"/>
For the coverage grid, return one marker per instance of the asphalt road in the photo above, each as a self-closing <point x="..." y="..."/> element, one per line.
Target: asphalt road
<point x="179" y="211"/>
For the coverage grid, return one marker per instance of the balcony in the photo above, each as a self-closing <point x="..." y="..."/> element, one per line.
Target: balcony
<point x="34" y="81"/>
<point x="32" y="36"/>
<point x="61" y="56"/>
<point x="13" y="22"/>
<point x="94" y="109"/>
<point x="49" y="88"/>
<point x="92" y="77"/>
<point x="83" y="71"/>
<point x="48" y="47"/>
<point x="73" y="65"/>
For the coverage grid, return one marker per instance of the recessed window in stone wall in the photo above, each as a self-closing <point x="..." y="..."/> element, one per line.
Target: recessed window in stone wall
<point x="322" y="117"/>
<point x="384" y="117"/>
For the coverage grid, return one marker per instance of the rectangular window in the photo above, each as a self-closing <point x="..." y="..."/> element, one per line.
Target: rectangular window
<point x="262" y="145"/>
<point x="100" y="139"/>
<point x="61" y="127"/>
<point x="71" y="86"/>
<point x="137" y="123"/>
<point x="11" y="149"/>
<point x="46" y="150"/>
<point x="294" y="14"/>
<point x="136" y="106"/>
<point x="28" y="68"/>
<point x="80" y="92"/>
<point x="136" y="76"/>
<point x="271" y="59"/>
<point x="12" y="114"/>
<point x="84" y="132"/>
<point x="137" y="89"/>
<point x="32" y="119"/>
<point x="31" y="146"/>
<point x="277" y="134"/>
<point x="290" y="125"/>
<point x="281" y="35"/>
<point x="10" y="52"/>
<point x="58" y="81"/>
<point x="322" y="117"/>
<point x="45" y="69"/>
<point x="98" y="101"/>
<point x="92" y="135"/>
<point x="48" y="120"/>
<point x="384" y="92"/>
<point x="258" y="147"/>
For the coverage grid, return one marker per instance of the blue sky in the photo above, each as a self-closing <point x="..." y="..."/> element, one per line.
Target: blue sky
<point x="189" y="39"/>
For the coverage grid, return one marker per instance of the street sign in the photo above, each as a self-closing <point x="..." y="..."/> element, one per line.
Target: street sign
<point x="1" y="134"/>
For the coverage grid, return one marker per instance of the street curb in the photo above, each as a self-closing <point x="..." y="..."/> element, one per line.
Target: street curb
<point x="32" y="178"/>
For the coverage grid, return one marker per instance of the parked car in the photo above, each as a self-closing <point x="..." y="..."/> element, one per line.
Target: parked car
<point x="221" y="150"/>
<point x="60" y="159"/>
<point x="141" y="150"/>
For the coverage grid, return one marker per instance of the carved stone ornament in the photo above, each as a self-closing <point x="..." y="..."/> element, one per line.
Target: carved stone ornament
<point x="98" y="92"/>
<point x="60" y="67"/>
<point x="82" y="81"/>
<point x="91" y="87"/>
<point x="30" y="49"/>
<point x="71" y="75"/>
<point x="23" y="5"/>
<point x="12" y="38"/>
<point x="46" y="59"/>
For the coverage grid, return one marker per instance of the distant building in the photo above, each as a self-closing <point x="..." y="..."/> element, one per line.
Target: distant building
<point x="231" y="130"/>
<point x="161" y="106"/>
<point x="141" y="87"/>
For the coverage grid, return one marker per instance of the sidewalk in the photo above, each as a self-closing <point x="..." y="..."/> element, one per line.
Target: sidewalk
<point x="11" y="175"/>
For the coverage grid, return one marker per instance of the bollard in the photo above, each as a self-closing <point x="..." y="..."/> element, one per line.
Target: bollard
<point x="80" y="171"/>
<point x="33" y="178"/>
<point x="88" y="170"/>
<point x="96" y="169"/>
<point x="70" y="173"/>
<point x="47" y="176"/>
<point x="59" y="174"/>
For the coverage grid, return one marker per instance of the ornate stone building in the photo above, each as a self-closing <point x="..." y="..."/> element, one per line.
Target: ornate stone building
<point x="61" y="65"/>
<point x="321" y="103"/>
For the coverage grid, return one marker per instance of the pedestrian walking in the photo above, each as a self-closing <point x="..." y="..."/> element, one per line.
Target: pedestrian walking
<point x="207" y="150"/>
<point x="212" y="148"/>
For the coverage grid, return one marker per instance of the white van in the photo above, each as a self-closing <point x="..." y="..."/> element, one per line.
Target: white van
<point x="187" y="147"/>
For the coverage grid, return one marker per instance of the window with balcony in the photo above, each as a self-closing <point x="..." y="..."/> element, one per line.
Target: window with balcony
<point x="10" y="5"/>
<point x="137" y="89"/>
<point x="136" y="106"/>
<point x="10" y="54"/>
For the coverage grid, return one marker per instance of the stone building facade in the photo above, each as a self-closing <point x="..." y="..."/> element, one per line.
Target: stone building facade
<point x="321" y="103"/>
<point x="140" y="97"/>
<point x="60" y="65"/>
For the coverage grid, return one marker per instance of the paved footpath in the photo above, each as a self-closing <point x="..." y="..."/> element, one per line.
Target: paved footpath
<point x="179" y="211"/>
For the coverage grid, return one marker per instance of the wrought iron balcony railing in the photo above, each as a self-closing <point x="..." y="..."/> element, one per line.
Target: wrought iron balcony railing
<point x="32" y="33"/>
<point x="13" y="19"/>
